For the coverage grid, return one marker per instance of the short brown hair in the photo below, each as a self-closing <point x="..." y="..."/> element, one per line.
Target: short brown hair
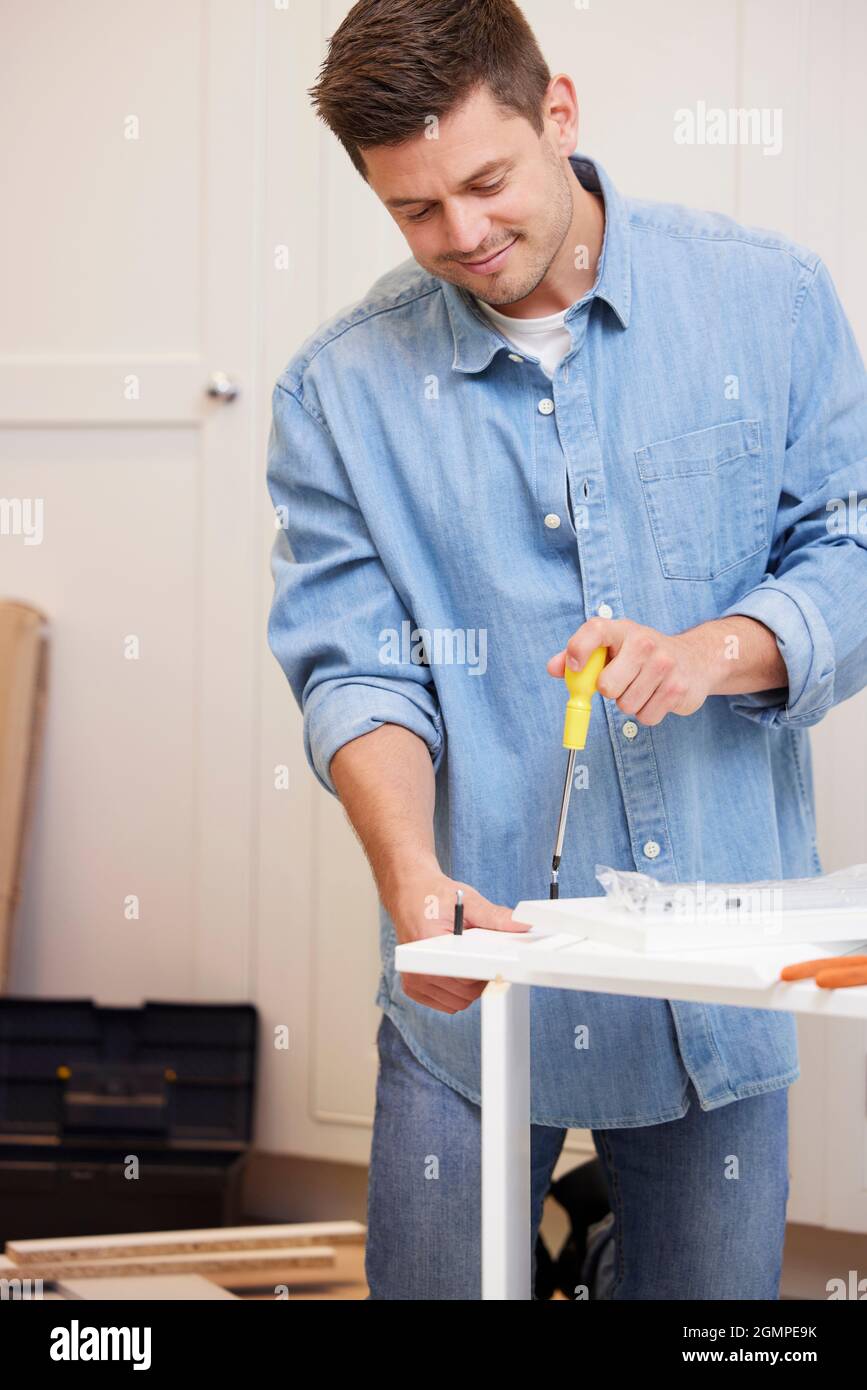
<point x="392" y="63"/>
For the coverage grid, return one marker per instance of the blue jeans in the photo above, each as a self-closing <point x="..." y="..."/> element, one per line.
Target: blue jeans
<point x="698" y="1204"/>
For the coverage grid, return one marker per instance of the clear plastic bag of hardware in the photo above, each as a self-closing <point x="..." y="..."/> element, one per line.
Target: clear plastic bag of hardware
<point x="642" y="895"/>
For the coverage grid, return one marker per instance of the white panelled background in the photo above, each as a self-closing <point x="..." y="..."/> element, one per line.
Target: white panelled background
<point x="216" y="241"/>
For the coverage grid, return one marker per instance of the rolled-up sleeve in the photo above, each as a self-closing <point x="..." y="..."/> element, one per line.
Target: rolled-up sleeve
<point x="814" y="595"/>
<point x="333" y="603"/>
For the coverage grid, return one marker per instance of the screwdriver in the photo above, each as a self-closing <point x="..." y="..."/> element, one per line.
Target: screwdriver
<point x="581" y="686"/>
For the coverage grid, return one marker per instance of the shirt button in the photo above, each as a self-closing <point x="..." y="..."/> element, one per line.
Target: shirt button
<point x="651" y="849"/>
<point x="630" y="729"/>
<point x="546" y="406"/>
<point x="552" y="521"/>
<point x="605" y="611"/>
<point x="513" y="357"/>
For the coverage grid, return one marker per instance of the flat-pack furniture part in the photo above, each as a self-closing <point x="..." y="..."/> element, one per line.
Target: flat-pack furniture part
<point x="23" y="693"/>
<point x="217" y="1239"/>
<point x="144" y="1288"/>
<point x="513" y="962"/>
<point x="224" y="1264"/>
<point x="753" y="927"/>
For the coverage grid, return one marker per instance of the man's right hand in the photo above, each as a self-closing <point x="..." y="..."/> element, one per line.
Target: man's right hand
<point x="423" y="905"/>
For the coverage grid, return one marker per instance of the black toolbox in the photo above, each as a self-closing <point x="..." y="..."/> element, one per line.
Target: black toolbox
<point x="122" y="1119"/>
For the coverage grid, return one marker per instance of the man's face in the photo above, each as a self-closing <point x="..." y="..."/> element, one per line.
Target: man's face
<point x="487" y="187"/>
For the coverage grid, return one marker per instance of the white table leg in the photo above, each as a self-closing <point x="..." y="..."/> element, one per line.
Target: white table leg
<point x="506" y="1253"/>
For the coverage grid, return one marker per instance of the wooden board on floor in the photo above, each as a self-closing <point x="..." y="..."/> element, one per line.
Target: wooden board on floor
<point x="206" y="1240"/>
<point x="148" y="1287"/>
<point x="345" y="1283"/>
<point x="295" y="1260"/>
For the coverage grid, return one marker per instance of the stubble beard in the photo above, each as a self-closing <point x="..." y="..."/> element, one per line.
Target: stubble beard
<point x="509" y="291"/>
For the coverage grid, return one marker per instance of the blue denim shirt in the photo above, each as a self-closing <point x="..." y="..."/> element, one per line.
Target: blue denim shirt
<point x="701" y="446"/>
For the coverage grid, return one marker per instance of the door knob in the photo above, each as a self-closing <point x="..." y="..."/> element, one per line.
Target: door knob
<point x="222" y="387"/>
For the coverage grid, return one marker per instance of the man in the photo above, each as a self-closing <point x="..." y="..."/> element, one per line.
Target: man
<point x="570" y="419"/>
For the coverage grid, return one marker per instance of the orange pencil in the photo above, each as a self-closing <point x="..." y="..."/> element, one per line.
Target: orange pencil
<point x="805" y="968"/>
<point x="841" y="976"/>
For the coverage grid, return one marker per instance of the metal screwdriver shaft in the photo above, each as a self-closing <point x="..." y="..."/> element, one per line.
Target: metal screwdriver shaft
<point x="561" y="825"/>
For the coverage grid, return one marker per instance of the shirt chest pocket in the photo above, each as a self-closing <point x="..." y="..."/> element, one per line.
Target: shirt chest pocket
<point x="705" y="498"/>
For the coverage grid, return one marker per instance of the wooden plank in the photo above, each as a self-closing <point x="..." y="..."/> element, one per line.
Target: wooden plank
<point x="206" y="1240"/>
<point x="346" y="1282"/>
<point x="265" y="1281"/>
<point x="289" y="1259"/>
<point x="23" y="675"/>
<point x="148" y="1287"/>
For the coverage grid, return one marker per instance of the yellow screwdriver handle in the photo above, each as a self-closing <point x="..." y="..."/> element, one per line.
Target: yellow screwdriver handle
<point x="582" y="687"/>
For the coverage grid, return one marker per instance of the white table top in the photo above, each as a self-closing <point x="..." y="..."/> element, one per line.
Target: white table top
<point x="566" y="960"/>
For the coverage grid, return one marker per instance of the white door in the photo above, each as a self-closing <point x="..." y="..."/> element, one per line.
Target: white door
<point x="128" y="258"/>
